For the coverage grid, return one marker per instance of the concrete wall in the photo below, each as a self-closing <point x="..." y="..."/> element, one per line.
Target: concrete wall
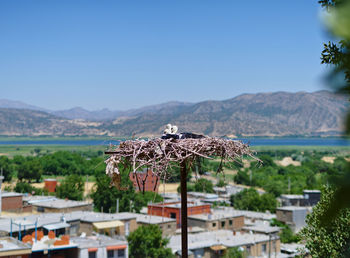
<point x="165" y="211"/>
<point x="252" y="251"/>
<point x="88" y="228"/>
<point x="235" y="223"/>
<point x="38" y="208"/>
<point x="168" y="228"/>
<point x="12" y="203"/>
<point x="294" y="218"/>
<point x="284" y="216"/>
<point x="100" y="253"/>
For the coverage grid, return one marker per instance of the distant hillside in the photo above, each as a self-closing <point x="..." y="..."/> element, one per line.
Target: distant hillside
<point x="262" y="114"/>
<point x="31" y="122"/>
<point x="106" y="114"/>
<point x="6" y="103"/>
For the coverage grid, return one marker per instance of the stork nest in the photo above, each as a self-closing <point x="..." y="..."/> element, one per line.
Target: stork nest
<point x="161" y="154"/>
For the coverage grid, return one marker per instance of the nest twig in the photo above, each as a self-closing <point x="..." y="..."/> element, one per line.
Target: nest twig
<point x="160" y="154"/>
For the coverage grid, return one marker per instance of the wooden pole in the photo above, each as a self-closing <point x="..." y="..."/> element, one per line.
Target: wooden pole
<point x="184" y="245"/>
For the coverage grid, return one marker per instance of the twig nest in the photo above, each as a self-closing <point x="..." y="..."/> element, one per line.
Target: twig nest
<point x="160" y="154"/>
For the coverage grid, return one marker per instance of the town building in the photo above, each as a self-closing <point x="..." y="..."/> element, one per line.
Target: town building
<point x="13" y="202"/>
<point x="50" y="185"/>
<point x="145" y="180"/>
<point x="173" y="209"/>
<point x="101" y="246"/>
<point x="308" y="198"/>
<point x="294" y="250"/>
<point x="47" y="204"/>
<point x="110" y="224"/>
<point x="11" y="247"/>
<point x="167" y="225"/>
<point x="250" y="217"/>
<point x="293" y="216"/>
<point x="261" y="227"/>
<point x="216" y="243"/>
<point x="217" y="220"/>
<point x="73" y="223"/>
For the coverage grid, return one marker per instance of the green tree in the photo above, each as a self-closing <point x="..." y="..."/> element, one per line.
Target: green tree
<point x="105" y="196"/>
<point x="337" y="54"/>
<point x="249" y="199"/>
<point x="286" y="234"/>
<point x="5" y="168"/>
<point x="30" y="169"/>
<point x="24" y="187"/>
<point x="234" y="252"/>
<point x="147" y="242"/>
<point x="72" y="187"/>
<point x="204" y="185"/>
<point x="221" y="183"/>
<point x="331" y="239"/>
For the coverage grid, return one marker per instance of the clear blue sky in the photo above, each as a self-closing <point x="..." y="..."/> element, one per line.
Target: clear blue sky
<point x="125" y="54"/>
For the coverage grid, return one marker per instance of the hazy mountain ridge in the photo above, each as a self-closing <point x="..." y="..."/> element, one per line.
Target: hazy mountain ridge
<point x="98" y="115"/>
<point x="262" y="114"/>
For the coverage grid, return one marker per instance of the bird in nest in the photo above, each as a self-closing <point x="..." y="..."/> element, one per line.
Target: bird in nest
<point x="170" y="132"/>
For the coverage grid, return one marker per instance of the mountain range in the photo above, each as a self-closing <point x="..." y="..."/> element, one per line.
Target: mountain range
<point x="262" y="114"/>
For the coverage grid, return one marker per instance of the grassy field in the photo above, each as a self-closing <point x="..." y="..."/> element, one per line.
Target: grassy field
<point x="300" y="148"/>
<point x="25" y="150"/>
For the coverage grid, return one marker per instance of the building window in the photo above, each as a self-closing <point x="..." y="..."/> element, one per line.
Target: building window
<point x="73" y="230"/>
<point x="263" y="248"/>
<point x="214" y="225"/>
<point x="121" y="253"/>
<point x="92" y="255"/>
<point x="230" y="222"/>
<point x="222" y="224"/>
<point x="248" y="250"/>
<point x="169" y="226"/>
<point x="173" y="215"/>
<point x="110" y="253"/>
<point x="198" y="253"/>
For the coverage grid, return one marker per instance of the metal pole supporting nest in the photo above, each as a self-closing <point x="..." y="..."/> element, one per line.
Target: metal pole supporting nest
<point x="184" y="242"/>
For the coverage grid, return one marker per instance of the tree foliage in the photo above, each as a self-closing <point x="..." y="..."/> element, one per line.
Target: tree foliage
<point x="147" y="241"/>
<point x="327" y="239"/>
<point x="286" y="235"/>
<point x="72" y="188"/>
<point x="5" y="167"/>
<point x="204" y="185"/>
<point x="24" y="187"/>
<point x="30" y="169"/>
<point x="105" y="196"/>
<point x="249" y="199"/>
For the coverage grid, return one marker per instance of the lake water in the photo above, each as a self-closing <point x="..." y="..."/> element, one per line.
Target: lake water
<point x="251" y="141"/>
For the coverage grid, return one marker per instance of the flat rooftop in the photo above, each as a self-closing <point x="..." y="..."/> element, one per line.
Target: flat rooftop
<point x="292" y="196"/>
<point x="261" y="227"/>
<point x="219" y="237"/>
<point x="292" y="208"/>
<point x="10" y="194"/>
<point x="215" y="216"/>
<point x="203" y="195"/>
<point x="60" y="203"/>
<point x="150" y="219"/>
<point x="98" y="241"/>
<point x="247" y="214"/>
<point x="177" y="204"/>
<point x="56" y="217"/>
<point x="311" y="191"/>
<point x="10" y="244"/>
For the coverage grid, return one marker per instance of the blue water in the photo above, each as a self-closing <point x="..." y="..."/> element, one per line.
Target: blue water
<point x="251" y="141"/>
<point x="297" y="141"/>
